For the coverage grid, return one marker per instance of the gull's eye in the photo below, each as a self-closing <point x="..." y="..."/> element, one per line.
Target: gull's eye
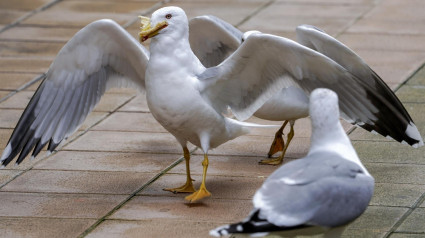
<point x="168" y="16"/>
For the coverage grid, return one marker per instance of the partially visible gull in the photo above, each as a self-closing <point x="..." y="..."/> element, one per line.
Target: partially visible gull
<point x="328" y="188"/>
<point x="213" y="40"/>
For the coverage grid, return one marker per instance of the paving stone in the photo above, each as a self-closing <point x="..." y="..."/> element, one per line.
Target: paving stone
<point x="22" y="49"/>
<point x="13" y="81"/>
<point x="336" y="2"/>
<point x="35" y="33"/>
<point x="396" y="11"/>
<point x="92" y="119"/>
<point x="125" y="121"/>
<point x="385" y="26"/>
<point x="137" y="104"/>
<point x="397" y="173"/>
<point x="153" y="228"/>
<point x="396" y="195"/>
<point x="393" y="66"/>
<point x="24" y="5"/>
<point x="412" y="94"/>
<point x="388" y="152"/>
<point x="364" y="233"/>
<point x="46" y="181"/>
<point x="111" y="101"/>
<point x="221" y="187"/>
<point x="30" y="227"/>
<point x="81" y="13"/>
<point x="418" y="78"/>
<point x="9" y="117"/>
<point x="24" y="65"/>
<point x="4" y="137"/>
<point x="107" y="161"/>
<point x="7" y="175"/>
<point x="405" y="235"/>
<point x="378" y="218"/>
<point x="414" y="222"/>
<point x="18" y="101"/>
<point x="386" y="42"/>
<point x="57" y="205"/>
<point x="315" y="10"/>
<point x="171" y="207"/>
<point x="8" y="16"/>
<point x="127" y="142"/>
<point x="273" y="23"/>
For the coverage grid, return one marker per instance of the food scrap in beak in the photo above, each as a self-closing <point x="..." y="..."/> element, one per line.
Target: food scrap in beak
<point x="146" y="31"/>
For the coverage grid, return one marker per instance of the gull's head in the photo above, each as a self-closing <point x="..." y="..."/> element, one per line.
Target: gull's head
<point x="324" y="108"/>
<point x="171" y="21"/>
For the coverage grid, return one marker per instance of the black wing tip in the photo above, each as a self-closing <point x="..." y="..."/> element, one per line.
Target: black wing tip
<point x="409" y="136"/>
<point x="253" y="225"/>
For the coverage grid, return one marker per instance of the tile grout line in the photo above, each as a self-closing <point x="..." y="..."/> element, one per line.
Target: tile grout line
<point x="30" y="14"/>
<point x="23" y="87"/>
<point x="255" y="12"/>
<point x="403" y="218"/>
<point x="134" y="194"/>
<point x="355" y="20"/>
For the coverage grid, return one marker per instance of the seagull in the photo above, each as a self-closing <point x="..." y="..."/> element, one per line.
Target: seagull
<point x="213" y="40"/>
<point x="329" y="188"/>
<point x="184" y="96"/>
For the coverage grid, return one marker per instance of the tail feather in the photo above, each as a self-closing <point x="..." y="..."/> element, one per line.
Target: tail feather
<point x="252" y="225"/>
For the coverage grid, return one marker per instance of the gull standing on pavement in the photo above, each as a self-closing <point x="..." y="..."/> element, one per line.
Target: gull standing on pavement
<point x="322" y="192"/>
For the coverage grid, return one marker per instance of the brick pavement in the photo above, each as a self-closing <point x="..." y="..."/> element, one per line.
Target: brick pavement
<point x="107" y="180"/>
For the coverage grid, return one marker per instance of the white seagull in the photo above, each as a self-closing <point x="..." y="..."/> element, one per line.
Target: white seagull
<point x="328" y="188"/>
<point x="213" y="40"/>
<point x="186" y="98"/>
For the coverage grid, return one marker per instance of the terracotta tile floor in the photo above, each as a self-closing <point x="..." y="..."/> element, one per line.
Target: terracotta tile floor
<point x="107" y="180"/>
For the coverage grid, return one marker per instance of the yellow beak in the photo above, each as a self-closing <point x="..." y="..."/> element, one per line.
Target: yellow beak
<point x="146" y="31"/>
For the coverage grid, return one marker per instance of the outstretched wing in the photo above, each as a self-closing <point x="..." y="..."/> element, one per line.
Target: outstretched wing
<point x="99" y="56"/>
<point x="212" y="39"/>
<point x="264" y="64"/>
<point x="318" y="40"/>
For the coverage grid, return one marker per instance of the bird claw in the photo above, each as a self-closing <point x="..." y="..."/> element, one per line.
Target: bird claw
<point x="198" y="195"/>
<point x="273" y="161"/>
<point x="186" y="188"/>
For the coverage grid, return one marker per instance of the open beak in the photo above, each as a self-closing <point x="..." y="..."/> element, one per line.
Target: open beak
<point x="147" y="31"/>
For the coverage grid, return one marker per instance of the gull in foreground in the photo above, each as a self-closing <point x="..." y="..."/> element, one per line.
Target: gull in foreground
<point x="186" y="98"/>
<point x="213" y="40"/>
<point x="328" y="188"/>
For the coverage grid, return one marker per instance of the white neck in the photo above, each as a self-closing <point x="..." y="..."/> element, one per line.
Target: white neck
<point x="169" y="51"/>
<point x="333" y="137"/>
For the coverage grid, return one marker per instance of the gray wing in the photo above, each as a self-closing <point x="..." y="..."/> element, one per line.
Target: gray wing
<point x="325" y="190"/>
<point x="264" y="64"/>
<point x="99" y="56"/>
<point x="212" y="39"/>
<point x="318" y="40"/>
